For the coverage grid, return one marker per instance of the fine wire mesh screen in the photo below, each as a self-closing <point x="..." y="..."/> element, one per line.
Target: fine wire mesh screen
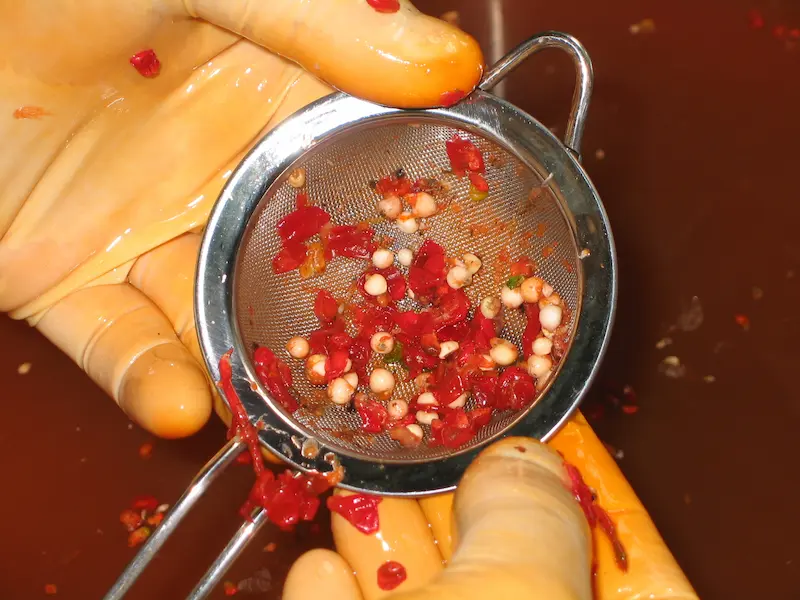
<point x="519" y="217"/>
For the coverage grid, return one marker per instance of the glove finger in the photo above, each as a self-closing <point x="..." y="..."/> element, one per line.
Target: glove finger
<point x="405" y="59"/>
<point x="128" y="347"/>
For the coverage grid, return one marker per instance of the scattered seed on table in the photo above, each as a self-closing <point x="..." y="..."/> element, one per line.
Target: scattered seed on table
<point x="24" y="368"/>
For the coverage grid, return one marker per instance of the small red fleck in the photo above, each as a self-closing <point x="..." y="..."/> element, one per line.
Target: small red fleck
<point x="230" y="588"/>
<point x="385" y="6"/>
<point x="148" y="503"/>
<point x="794" y="33"/>
<point x="30" y="112"/>
<point x="270" y="547"/>
<point x="755" y="19"/>
<point x="147" y="63"/>
<point x="451" y="98"/>
<point x="520" y="449"/>
<point x="244" y="459"/>
<point x="743" y="322"/>
<point x="131" y="519"/>
<point x="50" y="589"/>
<point x="779" y="31"/>
<point x="630" y="409"/>
<point x="138" y="537"/>
<point x="155" y="520"/>
<point x="390" y="575"/>
<point x="146" y="450"/>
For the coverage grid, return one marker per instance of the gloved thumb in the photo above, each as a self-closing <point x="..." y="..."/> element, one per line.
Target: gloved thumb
<point x="403" y="58"/>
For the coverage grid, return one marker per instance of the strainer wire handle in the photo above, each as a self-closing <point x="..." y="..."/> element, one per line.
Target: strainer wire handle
<point x="201" y="482"/>
<point x="584" y="77"/>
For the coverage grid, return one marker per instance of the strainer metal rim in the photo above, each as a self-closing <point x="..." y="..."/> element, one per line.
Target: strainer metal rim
<point x="482" y="113"/>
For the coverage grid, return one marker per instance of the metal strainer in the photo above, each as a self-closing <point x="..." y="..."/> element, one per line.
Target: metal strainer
<point x="541" y="204"/>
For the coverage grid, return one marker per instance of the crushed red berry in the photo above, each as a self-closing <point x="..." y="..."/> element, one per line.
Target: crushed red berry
<point x="428" y="271"/>
<point x="302" y="224"/>
<point x="360" y="510"/>
<point x="275" y="375"/>
<point x="532" y="329"/>
<point x="146" y="63"/>
<point x="288" y="258"/>
<point x="391" y="185"/>
<point x="464" y="156"/>
<point x="336" y="364"/>
<point x="478" y="182"/>
<point x="516" y="389"/>
<point x="287" y="498"/>
<point x="351" y="241"/>
<point x="325" y="307"/>
<point x="374" y="415"/>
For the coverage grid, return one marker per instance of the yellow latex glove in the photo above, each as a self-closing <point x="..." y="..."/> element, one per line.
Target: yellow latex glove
<point x="511" y="530"/>
<point x="108" y="176"/>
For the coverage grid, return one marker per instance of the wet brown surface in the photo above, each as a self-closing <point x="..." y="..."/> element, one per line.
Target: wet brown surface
<point x="698" y="124"/>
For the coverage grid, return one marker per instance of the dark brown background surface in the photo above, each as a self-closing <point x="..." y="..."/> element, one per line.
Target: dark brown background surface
<point x="698" y="122"/>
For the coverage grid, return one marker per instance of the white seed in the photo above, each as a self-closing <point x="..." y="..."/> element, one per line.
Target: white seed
<point x="405" y="257"/>
<point x="472" y="262"/>
<point x="424" y="205"/>
<point x="315" y="368"/>
<point x="487" y="363"/>
<point x="542" y="346"/>
<point x="447" y="348"/>
<point x="426" y="418"/>
<point x="553" y="299"/>
<point x="531" y="289"/>
<point x="415" y="430"/>
<point x="458" y="402"/>
<point x="458" y="277"/>
<point x="550" y="317"/>
<point x="427" y="399"/>
<point x="503" y="352"/>
<point x="375" y="285"/>
<point x="381" y="381"/>
<point x="539" y="365"/>
<point x="542" y="380"/>
<point x="511" y="298"/>
<point x="547" y="289"/>
<point x="297" y="347"/>
<point x="340" y="391"/>
<point x="390" y="207"/>
<point x="351" y="378"/>
<point x="382" y="342"/>
<point x="382" y="258"/>
<point x="297" y="178"/>
<point x="348" y="366"/>
<point x="397" y="409"/>
<point x="407" y="223"/>
<point x="490" y="307"/>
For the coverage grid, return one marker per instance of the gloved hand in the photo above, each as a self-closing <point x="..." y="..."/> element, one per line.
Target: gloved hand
<point x="109" y="173"/>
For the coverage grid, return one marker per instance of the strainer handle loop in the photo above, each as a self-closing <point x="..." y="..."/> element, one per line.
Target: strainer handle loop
<point x="199" y="485"/>
<point x="584" y="77"/>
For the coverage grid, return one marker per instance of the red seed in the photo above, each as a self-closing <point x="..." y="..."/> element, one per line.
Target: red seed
<point x="50" y="589"/>
<point x="630" y="409"/>
<point x="146" y="63"/>
<point x="148" y="503"/>
<point x="131" y="519"/>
